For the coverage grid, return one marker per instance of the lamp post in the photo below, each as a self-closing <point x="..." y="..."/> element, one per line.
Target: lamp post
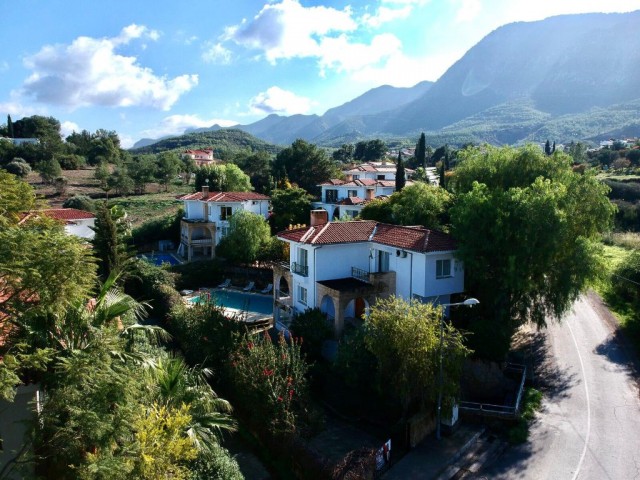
<point x="469" y="302"/>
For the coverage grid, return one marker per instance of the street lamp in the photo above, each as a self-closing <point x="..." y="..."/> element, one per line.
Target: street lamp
<point x="469" y="302"/>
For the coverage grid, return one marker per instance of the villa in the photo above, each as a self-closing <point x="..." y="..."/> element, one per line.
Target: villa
<point x="362" y="183"/>
<point x="207" y="215"/>
<point x="343" y="267"/>
<point x="76" y="222"/>
<point x="200" y="157"/>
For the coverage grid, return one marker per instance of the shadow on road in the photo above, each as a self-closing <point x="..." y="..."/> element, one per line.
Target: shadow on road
<point x="532" y="348"/>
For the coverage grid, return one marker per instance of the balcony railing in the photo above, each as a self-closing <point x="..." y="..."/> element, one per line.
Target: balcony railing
<point x="360" y="274"/>
<point x="300" y="269"/>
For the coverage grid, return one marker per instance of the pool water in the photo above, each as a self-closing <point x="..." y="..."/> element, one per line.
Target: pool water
<point x="160" y="258"/>
<point x="247" y="302"/>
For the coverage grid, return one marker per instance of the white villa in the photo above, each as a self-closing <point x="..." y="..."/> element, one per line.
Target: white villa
<point x="207" y="214"/>
<point x="76" y="222"/>
<point x="200" y="157"/>
<point x="343" y="267"/>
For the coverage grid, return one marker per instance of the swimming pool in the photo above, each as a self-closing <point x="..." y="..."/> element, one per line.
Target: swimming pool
<point x="160" y="258"/>
<point x="247" y="302"/>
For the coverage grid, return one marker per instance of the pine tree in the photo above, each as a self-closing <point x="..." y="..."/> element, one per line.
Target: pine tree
<point x="400" y="173"/>
<point x="442" y="177"/>
<point x="547" y="148"/>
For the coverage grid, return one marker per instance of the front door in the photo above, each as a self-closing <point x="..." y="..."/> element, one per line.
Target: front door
<point x="360" y="308"/>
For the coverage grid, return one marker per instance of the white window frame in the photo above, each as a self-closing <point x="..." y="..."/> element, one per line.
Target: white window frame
<point x="303" y="295"/>
<point x="226" y="212"/>
<point x="441" y="270"/>
<point x="352" y="193"/>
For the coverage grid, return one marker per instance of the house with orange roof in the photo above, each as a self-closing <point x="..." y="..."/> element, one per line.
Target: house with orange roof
<point x="76" y="222"/>
<point x="207" y="215"/>
<point x="342" y="268"/>
<point x="200" y="157"/>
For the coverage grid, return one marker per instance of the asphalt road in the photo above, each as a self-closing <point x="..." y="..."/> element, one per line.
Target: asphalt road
<point x="589" y="426"/>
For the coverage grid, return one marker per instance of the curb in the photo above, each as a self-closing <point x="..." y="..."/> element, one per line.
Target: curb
<point x="444" y="472"/>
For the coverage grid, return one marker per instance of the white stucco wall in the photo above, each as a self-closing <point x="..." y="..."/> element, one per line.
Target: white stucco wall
<point x="81" y="228"/>
<point x="442" y="286"/>
<point x="193" y="210"/>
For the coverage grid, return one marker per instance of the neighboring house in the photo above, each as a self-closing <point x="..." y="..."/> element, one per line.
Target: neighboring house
<point x="76" y="222"/>
<point x="207" y="215"/>
<point x="200" y="157"/>
<point x="362" y="184"/>
<point x="343" y="267"/>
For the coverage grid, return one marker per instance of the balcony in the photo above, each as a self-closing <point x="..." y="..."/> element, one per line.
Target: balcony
<point x="299" y="269"/>
<point x="360" y="274"/>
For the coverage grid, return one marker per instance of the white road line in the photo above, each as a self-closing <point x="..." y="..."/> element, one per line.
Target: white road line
<point x="586" y="391"/>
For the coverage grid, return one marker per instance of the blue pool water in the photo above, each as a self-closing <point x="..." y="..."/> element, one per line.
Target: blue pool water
<point x="247" y="302"/>
<point x="160" y="258"/>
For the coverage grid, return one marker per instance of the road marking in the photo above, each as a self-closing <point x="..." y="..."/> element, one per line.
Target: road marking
<point x="586" y="391"/>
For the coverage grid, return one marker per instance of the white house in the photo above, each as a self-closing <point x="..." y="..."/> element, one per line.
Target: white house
<point x="76" y="222"/>
<point x="362" y="184"/>
<point x="343" y="267"/>
<point x="207" y="215"/>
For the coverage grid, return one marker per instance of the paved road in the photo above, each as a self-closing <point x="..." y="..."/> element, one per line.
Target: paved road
<point x="589" y="427"/>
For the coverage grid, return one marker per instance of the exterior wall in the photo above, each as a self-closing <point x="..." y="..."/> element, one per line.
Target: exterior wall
<point x="81" y="228"/>
<point x="193" y="210"/>
<point x="335" y="261"/>
<point x="442" y="286"/>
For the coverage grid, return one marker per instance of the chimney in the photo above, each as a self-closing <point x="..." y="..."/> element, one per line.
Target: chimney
<point x="368" y="194"/>
<point x="205" y="190"/>
<point x="349" y="177"/>
<point x="319" y="217"/>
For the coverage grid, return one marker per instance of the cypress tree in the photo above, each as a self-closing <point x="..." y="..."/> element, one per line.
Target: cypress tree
<point x="421" y="152"/>
<point x="400" y="174"/>
<point x="547" y="148"/>
<point x="9" y="126"/>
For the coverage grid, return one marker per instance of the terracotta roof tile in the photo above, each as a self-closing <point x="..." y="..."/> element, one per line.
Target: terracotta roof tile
<point x="224" y="197"/>
<point x="62" y="214"/>
<point x="408" y="238"/>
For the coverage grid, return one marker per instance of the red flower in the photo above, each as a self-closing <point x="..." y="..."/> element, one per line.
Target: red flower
<point x="279" y="399"/>
<point x="250" y="345"/>
<point x="267" y="373"/>
<point x="291" y="394"/>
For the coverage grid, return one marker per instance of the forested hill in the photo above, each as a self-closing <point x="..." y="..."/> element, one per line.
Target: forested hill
<point x="223" y="142"/>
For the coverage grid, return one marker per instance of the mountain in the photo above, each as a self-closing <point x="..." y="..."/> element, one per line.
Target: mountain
<point x="570" y="77"/>
<point x="224" y="142"/>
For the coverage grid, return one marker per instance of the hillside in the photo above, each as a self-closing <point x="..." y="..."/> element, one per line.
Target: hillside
<point x="224" y="142"/>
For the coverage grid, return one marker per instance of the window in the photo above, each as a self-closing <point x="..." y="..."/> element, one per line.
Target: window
<point x="224" y="231"/>
<point x="352" y="193"/>
<point x="331" y="196"/>
<point x="303" y="256"/>
<point x="443" y="268"/>
<point x="356" y="177"/>
<point x="225" y="213"/>
<point x="303" y="296"/>
<point x="383" y="261"/>
<point x="381" y="177"/>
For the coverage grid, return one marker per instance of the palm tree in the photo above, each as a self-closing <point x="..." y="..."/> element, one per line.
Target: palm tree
<point x="178" y="383"/>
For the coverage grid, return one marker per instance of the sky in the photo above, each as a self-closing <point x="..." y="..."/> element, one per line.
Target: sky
<point x="150" y="68"/>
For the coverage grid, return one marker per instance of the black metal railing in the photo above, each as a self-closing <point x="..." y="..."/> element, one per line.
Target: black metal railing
<point x="300" y="269"/>
<point x="360" y="274"/>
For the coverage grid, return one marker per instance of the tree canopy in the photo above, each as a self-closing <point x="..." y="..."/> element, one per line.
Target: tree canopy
<point x="305" y="165"/>
<point x="291" y="206"/>
<point x="527" y="227"/>
<point x="248" y="234"/>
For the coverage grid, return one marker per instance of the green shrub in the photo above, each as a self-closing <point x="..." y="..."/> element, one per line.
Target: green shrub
<point x="71" y="162"/>
<point x="313" y="328"/>
<point x="627" y="277"/>
<point x="215" y="464"/>
<point x="155" y="285"/>
<point x="531" y="402"/>
<point x="269" y="384"/>
<point x="162" y="228"/>
<point x="206" y="335"/>
<point x="81" y="202"/>
<point x="203" y="273"/>
<point x="19" y="167"/>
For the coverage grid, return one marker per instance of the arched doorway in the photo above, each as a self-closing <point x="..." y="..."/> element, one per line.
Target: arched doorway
<point x="356" y="309"/>
<point x="328" y="308"/>
<point x="282" y="289"/>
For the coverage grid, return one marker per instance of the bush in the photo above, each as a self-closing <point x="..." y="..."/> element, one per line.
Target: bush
<point x="198" y="274"/>
<point x="19" y="167"/>
<point x="312" y="327"/>
<point x="215" y="464"/>
<point x="155" y="285"/>
<point x="531" y="402"/>
<point x="71" y="162"/>
<point x="627" y="278"/>
<point x="81" y="202"/>
<point x="629" y="191"/>
<point x="206" y="335"/>
<point x="163" y="228"/>
<point x="269" y="384"/>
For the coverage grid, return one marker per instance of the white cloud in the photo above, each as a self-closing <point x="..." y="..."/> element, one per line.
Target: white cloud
<point x="288" y="30"/>
<point x="177" y="124"/>
<point x="4" y="66"/>
<point x="68" y="127"/>
<point x="386" y="14"/>
<point x="468" y="10"/>
<point x="277" y="100"/>
<point x="216" y="53"/>
<point x="17" y="109"/>
<point x="340" y="54"/>
<point x="90" y="72"/>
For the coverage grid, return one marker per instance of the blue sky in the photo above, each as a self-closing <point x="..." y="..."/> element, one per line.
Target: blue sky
<point x="148" y="68"/>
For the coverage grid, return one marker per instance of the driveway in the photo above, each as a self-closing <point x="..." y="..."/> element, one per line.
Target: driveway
<point x="589" y="426"/>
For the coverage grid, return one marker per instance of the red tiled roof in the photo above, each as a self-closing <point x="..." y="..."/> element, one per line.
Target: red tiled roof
<point x="361" y="182"/>
<point x="62" y="214"/>
<point x="224" y="197"/>
<point x="407" y="238"/>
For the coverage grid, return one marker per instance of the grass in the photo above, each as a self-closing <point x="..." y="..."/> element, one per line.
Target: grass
<point x="625" y="240"/>
<point x="531" y="402"/>
<point x="143" y="208"/>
